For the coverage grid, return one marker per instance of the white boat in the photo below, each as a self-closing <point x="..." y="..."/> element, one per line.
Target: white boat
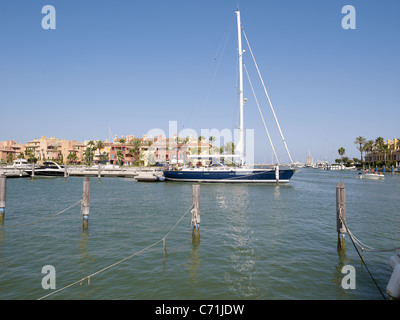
<point x="149" y="177"/>
<point x="241" y="173"/>
<point x="335" y="167"/>
<point x="49" y="169"/>
<point x="21" y="163"/>
<point x="371" y="175"/>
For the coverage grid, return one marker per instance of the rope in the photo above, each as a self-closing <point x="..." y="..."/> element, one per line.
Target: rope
<point x="37" y="221"/>
<point x="269" y="100"/>
<point x="262" y="117"/>
<point x="365" y="247"/>
<point x="362" y="260"/>
<point x="120" y="261"/>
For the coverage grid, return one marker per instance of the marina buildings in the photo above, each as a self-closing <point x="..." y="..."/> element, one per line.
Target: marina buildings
<point x="126" y="150"/>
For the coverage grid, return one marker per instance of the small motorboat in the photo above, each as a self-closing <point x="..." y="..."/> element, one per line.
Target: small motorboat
<point x="371" y="175"/>
<point x="149" y="177"/>
<point x="21" y="164"/>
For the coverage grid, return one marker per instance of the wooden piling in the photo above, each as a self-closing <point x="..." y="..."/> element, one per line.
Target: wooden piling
<point x="341" y="214"/>
<point x="65" y="172"/>
<point x="99" y="172"/>
<point x="3" y="186"/>
<point x="33" y="170"/>
<point x="85" y="207"/>
<point x="196" y="210"/>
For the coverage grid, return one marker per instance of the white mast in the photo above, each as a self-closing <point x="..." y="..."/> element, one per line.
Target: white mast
<point x="240" y="146"/>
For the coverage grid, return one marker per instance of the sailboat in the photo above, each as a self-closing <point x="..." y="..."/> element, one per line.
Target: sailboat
<point x="218" y="172"/>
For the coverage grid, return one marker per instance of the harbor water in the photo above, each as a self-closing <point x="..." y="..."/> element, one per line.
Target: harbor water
<point x="256" y="241"/>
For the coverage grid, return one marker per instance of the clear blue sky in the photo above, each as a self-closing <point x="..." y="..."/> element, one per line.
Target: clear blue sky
<point x="133" y="66"/>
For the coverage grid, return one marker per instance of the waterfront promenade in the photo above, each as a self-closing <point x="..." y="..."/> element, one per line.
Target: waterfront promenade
<point x="129" y="172"/>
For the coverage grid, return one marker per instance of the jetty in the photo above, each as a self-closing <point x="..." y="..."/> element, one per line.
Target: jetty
<point x="95" y="171"/>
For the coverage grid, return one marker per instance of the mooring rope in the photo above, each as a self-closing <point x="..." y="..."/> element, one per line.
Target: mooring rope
<point x="362" y="260"/>
<point x="122" y="260"/>
<point x="365" y="247"/>
<point x="44" y="219"/>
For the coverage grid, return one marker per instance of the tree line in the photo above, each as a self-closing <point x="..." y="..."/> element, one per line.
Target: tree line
<point x="377" y="146"/>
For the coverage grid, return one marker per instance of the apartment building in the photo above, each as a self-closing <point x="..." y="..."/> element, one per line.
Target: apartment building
<point x="9" y="150"/>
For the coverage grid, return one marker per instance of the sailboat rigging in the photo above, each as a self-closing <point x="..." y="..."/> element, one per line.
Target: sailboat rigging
<point x="218" y="172"/>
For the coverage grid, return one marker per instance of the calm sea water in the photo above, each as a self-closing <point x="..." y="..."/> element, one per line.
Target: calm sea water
<point x="256" y="242"/>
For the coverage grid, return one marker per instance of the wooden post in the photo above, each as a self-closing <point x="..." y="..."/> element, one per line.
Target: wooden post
<point x="65" y="172"/>
<point x="99" y="172"/>
<point x="3" y="186"/>
<point x="341" y="214"/>
<point x="85" y="208"/>
<point x="196" y="210"/>
<point x="33" y="170"/>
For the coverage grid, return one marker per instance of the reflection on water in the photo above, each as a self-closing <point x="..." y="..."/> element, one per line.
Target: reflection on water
<point x="194" y="261"/>
<point x="84" y="256"/>
<point x="338" y="275"/>
<point x="235" y="209"/>
<point x="277" y="192"/>
<point x="257" y="241"/>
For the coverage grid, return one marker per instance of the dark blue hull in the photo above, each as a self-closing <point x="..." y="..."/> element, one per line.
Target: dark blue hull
<point x="229" y="176"/>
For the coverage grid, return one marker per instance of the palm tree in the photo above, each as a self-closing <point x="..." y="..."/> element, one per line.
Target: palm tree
<point x="30" y="155"/>
<point x="104" y="156"/>
<point x="10" y="158"/>
<point x="136" y="149"/>
<point x="72" y="157"/>
<point x="385" y="150"/>
<point x="368" y="149"/>
<point x="89" y="151"/>
<point x="361" y="142"/>
<point x="199" y="139"/>
<point x="341" y="152"/>
<point x="120" y="156"/>
<point x="369" y="146"/>
<point x="379" y="145"/>
<point x="379" y="142"/>
<point x="229" y="147"/>
<point x="99" y="146"/>
<point x="211" y="140"/>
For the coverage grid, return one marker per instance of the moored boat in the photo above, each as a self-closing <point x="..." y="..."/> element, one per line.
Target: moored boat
<point x="49" y="169"/>
<point x="242" y="172"/>
<point x="149" y="177"/>
<point x="224" y="174"/>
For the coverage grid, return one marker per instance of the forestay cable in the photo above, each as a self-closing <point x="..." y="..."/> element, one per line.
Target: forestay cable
<point x="262" y="117"/>
<point x="269" y="100"/>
